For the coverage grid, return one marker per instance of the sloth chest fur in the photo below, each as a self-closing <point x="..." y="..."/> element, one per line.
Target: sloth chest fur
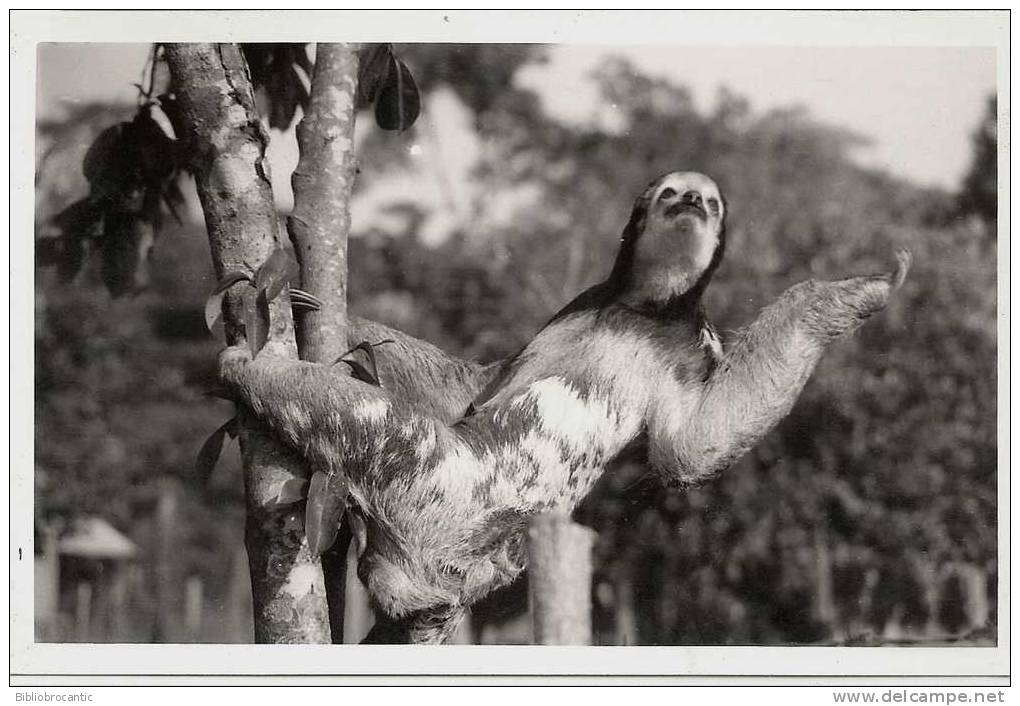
<point x="546" y="447"/>
<point x="462" y="495"/>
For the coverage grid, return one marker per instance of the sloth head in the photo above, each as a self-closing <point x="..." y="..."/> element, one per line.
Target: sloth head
<point x="674" y="240"/>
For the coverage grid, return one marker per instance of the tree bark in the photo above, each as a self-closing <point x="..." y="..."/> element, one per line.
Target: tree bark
<point x="322" y="184"/>
<point x="226" y="145"/>
<point x="318" y="228"/>
<point x="559" y="580"/>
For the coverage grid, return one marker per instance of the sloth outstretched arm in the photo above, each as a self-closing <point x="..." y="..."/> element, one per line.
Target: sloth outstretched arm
<point x="756" y="382"/>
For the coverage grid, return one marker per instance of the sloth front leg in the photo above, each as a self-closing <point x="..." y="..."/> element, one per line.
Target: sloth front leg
<point x="330" y="418"/>
<point x="758" y="380"/>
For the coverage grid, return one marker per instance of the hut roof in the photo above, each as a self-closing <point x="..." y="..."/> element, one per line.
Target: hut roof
<point x="95" y="538"/>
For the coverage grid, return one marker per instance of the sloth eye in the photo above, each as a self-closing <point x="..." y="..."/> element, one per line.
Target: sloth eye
<point x="713" y="205"/>
<point x="667" y="193"/>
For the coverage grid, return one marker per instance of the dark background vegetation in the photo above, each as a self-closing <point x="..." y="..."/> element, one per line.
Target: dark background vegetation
<point x="868" y="516"/>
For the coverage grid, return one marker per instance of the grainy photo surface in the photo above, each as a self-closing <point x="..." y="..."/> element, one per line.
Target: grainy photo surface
<point x="605" y="344"/>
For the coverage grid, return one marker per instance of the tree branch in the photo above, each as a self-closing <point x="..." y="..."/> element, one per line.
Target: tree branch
<point x="318" y="228"/>
<point x="322" y="184"/>
<point x="226" y="144"/>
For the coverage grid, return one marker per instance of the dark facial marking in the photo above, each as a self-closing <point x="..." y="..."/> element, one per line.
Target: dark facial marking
<point x="692" y="197"/>
<point x="679" y="207"/>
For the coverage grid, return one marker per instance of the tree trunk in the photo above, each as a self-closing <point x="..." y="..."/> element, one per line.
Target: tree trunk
<point x="318" y="228"/>
<point x="559" y="580"/>
<point x="226" y="143"/>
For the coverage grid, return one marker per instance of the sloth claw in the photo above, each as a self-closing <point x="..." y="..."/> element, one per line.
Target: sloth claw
<point x="903" y="262"/>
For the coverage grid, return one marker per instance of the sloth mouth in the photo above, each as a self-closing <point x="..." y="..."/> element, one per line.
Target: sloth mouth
<point x="678" y="208"/>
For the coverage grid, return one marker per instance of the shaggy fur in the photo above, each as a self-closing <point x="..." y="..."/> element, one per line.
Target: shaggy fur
<point x="445" y="496"/>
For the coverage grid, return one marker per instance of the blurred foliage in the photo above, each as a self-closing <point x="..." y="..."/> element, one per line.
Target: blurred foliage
<point x="980" y="194"/>
<point x="870" y="511"/>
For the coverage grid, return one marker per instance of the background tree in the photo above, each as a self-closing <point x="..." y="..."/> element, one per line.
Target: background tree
<point x="980" y="194"/>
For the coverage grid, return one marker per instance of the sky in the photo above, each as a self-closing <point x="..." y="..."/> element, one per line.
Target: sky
<point x="917" y="105"/>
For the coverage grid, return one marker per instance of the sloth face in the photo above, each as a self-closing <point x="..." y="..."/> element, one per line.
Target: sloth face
<point x="682" y="228"/>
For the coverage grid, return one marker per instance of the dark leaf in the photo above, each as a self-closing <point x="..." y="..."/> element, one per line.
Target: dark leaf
<point x="256" y="321"/>
<point x="80" y="219"/>
<point x="285" y="92"/>
<point x="127" y="242"/>
<point x="214" y="310"/>
<point x="291" y="491"/>
<point x="274" y="273"/>
<point x="398" y="103"/>
<point x="360" y="372"/>
<point x="111" y="163"/>
<point x="67" y="252"/>
<point x="251" y="316"/>
<point x="151" y="209"/>
<point x="299" y="53"/>
<point x="172" y="110"/>
<point x="49" y="251"/>
<point x="327" y="500"/>
<point x="214" y="303"/>
<point x="173" y="198"/>
<point x="154" y="148"/>
<point x="262" y="307"/>
<point x="229" y="279"/>
<point x="210" y="452"/>
<point x="259" y="57"/>
<point x="73" y="258"/>
<point x="373" y="65"/>
<point x="357" y="524"/>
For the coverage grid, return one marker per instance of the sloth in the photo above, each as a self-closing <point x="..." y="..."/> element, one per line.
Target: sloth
<point x="447" y="461"/>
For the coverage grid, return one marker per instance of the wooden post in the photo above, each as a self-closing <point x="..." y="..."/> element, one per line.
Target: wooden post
<point x="83" y="612"/>
<point x="559" y="580"/>
<point x="118" y="600"/>
<point x="193" y="607"/>
<point x="626" y="622"/>
<point x="166" y="523"/>
<point x="824" y="600"/>
<point x="47" y="585"/>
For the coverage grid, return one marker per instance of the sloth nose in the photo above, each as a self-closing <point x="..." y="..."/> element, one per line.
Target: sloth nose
<point x="691" y="197"/>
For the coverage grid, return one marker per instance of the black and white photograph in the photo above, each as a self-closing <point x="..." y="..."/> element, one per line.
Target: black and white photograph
<point x="671" y="337"/>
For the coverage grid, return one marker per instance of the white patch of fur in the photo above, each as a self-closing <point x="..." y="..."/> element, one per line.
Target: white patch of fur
<point x="371" y="411"/>
<point x="298" y="414"/>
<point x="581" y="424"/>
<point x="457" y="472"/>
<point x="426" y="444"/>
